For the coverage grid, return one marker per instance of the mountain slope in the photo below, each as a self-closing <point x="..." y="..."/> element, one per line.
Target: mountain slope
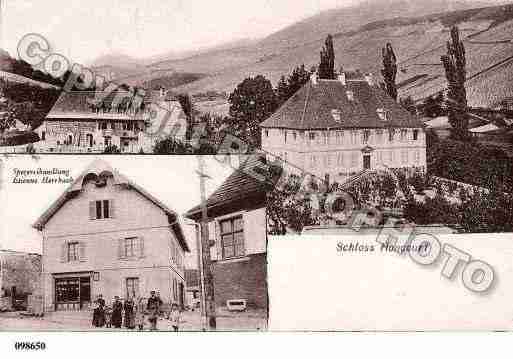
<point x="358" y="41"/>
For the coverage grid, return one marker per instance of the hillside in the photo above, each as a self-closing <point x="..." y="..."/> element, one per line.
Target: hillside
<point x="416" y="29"/>
<point x="413" y="38"/>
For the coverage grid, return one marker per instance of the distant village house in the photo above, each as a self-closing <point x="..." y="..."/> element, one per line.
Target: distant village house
<point x="76" y="124"/>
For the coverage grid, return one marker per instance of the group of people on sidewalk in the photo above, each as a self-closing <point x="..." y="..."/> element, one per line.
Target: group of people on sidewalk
<point x="135" y="313"/>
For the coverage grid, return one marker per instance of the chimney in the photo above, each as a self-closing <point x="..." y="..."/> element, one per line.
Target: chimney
<point x="314" y="78"/>
<point x="370" y="79"/>
<point x="342" y="78"/>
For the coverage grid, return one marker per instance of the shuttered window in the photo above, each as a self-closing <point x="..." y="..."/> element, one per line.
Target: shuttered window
<point x="130" y="248"/>
<point x="101" y="209"/>
<point x="73" y="251"/>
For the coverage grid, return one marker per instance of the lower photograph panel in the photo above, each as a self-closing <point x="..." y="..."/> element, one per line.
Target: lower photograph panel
<point x="174" y="243"/>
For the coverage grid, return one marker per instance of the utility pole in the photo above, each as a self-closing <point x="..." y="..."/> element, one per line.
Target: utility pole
<point x="206" y="273"/>
<point x="197" y="232"/>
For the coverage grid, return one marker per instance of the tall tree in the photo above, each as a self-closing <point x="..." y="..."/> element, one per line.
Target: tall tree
<point x="389" y="70"/>
<point x="282" y="90"/>
<point x="454" y="63"/>
<point x="188" y="110"/>
<point x="289" y="86"/>
<point x="252" y="101"/>
<point x="327" y="64"/>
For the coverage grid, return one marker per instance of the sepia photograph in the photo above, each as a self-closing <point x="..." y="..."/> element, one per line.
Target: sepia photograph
<point x="132" y="243"/>
<point x="254" y="166"/>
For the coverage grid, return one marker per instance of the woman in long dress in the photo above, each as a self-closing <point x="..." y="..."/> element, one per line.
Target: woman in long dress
<point x="129" y="314"/>
<point x="117" y="313"/>
<point x="99" y="312"/>
<point x="140" y="313"/>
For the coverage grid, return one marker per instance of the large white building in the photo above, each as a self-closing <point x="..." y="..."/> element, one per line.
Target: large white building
<point x="341" y="127"/>
<point x="107" y="235"/>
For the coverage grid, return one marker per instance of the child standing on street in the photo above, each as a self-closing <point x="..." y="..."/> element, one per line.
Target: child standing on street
<point x="108" y="317"/>
<point x="174" y="316"/>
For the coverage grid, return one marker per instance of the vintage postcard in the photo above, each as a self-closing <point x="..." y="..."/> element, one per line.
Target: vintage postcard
<point x="256" y="166"/>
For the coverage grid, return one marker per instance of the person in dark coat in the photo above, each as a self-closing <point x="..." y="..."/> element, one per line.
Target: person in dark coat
<point x="117" y="313"/>
<point x="153" y="308"/>
<point x="99" y="312"/>
<point x="129" y="314"/>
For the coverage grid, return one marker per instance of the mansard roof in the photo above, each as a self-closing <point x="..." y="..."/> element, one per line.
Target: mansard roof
<point x="98" y="169"/>
<point x="333" y="104"/>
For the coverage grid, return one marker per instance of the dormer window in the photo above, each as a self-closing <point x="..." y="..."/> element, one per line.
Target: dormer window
<point x="337" y="115"/>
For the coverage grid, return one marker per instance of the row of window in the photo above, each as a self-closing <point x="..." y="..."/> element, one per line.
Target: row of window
<point x="353" y="136"/>
<point x="128" y="248"/>
<point x="352" y="159"/>
<point x="122" y="125"/>
<point x="132" y="247"/>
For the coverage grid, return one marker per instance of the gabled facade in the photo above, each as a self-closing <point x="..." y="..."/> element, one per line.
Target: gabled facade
<point x="76" y="125"/>
<point x="237" y="229"/>
<point x="106" y="235"/>
<point x="341" y="127"/>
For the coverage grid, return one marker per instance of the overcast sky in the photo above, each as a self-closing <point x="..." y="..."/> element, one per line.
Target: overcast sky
<point x="171" y="179"/>
<point x="84" y="30"/>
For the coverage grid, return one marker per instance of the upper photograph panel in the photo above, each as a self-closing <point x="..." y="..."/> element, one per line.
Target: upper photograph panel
<point x="165" y="77"/>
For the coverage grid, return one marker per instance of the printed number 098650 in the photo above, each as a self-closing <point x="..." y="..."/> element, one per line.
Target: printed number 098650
<point x="29" y="346"/>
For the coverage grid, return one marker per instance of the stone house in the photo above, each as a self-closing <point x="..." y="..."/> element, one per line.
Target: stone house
<point x="237" y="229"/>
<point x="20" y="277"/>
<point x="338" y="128"/>
<point x="107" y="235"/>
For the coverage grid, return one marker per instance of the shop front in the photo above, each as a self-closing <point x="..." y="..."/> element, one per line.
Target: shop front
<point x="72" y="291"/>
